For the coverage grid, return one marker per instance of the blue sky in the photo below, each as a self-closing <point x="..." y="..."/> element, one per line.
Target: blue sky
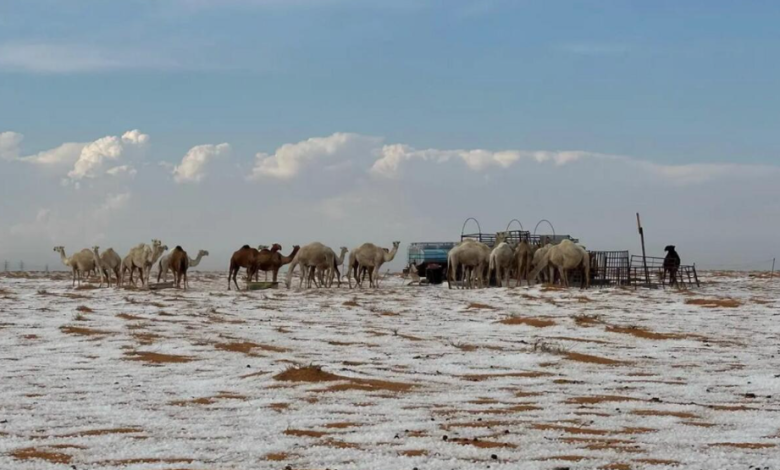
<point x="666" y="83"/>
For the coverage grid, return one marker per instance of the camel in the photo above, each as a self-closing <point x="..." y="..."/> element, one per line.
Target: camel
<point x="372" y="258"/>
<point x="314" y="255"/>
<point x="340" y="264"/>
<point x="142" y="258"/>
<point x="107" y="263"/>
<point x="414" y="274"/>
<point x="501" y="260"/>
<point x="352" y="266"/>
<point x="178" y="262"/>
<point x="272" y="260"/>
<point x="524" y="254"/>
<point x="246" y="257"/>
<point x="471" y="256"/>
<point x="539" y="262"/>
<point x="564" y="257"/>
<point x="127" y="262"/>
<point x="321" y="271"/>
<point x="162" y="265"/>
<point x="81" y="262"/>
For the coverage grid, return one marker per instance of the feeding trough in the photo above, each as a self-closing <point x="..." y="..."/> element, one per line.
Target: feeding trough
<point x="261" y="285"/>
<point x="161" y="285"/>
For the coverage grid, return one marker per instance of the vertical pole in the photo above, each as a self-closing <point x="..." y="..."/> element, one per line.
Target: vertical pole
<point x="772" y="274"/>
<point x="5" y="266"/>
<point x="644" y="255"/>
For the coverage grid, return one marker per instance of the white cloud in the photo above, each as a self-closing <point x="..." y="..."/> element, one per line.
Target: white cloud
<point x="135" y="137"/>
<point x="86" y="160"/>
<point x="113" y="203"/>
<point x="66" y="155"/>
<point x="392" y="157"/>
<point x="75" y="58"/>
<point x="110" y="148"/>
<point x="10" y="145"/>
<point x="696" y="173"/>
<point x="290" y="159"/>
<point x="122" y="170"/>
<point x="193" y="166"/>
<point x="51" y="225"/>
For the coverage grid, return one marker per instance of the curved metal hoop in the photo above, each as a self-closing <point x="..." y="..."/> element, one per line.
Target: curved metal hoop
<point x="518" y="223"/>
<point x="463" y="229"/>
<point x="548" y="223"/>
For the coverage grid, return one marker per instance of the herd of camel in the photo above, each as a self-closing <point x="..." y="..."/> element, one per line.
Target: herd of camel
<point x="476" y="262"/>
<point x="318" y="263"/>
<point x="471" y="262"/>
<point x="141" y="259"/>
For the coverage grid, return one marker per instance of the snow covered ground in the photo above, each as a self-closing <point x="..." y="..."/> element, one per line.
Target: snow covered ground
<point x="396" y="378"/>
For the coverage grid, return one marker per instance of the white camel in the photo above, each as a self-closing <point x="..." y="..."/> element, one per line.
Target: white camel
<point x="163" y="266"/>
<point x="372" y="258"/>
<point x="314" y="255"/>
<point x="524" y="254"/>
<point x="107" y="263"/>
<point x="564" y="257"/>
<point x="541" y="261"/>
<point x="142" y="258"/>
<point x="414" y="274"/>
<point x="501" y="260"/>
<point x="339" y="262"/>
<point x="567" y="256"/>
<point x="472" y="257"/>
<point x="81" y="262"/>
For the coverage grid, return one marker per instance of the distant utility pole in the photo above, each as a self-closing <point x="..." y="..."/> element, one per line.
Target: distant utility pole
<point x="772" y="274"/>
<point x="644" y="256"/>
<point x="21" y="266"/>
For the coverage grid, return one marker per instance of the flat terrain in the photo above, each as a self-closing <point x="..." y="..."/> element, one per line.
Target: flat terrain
<point x="396" y="378"/>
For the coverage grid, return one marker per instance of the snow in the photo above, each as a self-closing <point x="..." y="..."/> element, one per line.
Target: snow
<point x="75" y="389"/>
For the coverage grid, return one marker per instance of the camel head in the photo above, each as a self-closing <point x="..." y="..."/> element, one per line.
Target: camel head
<point x="156" y="242"/>
<point x="96" y="249"/>
<point x="276" y="247"/>
<point x="203" y="253"/>
<point x="59" y="249"/>
<point x="344" y="250"/>
<point x="262" y="247"/>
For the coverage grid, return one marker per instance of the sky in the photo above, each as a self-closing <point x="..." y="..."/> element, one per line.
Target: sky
<point x="213" y="124"/>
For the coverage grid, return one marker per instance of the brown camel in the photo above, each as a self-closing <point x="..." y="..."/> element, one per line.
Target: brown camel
<point x="247" y="257"/>
<point x="178" y="263"/>
<point x="272" y="260"/>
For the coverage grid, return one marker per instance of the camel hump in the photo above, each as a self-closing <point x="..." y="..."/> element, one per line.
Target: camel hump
<point x="245" y="247"/>
<point x="178" y="248"/>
